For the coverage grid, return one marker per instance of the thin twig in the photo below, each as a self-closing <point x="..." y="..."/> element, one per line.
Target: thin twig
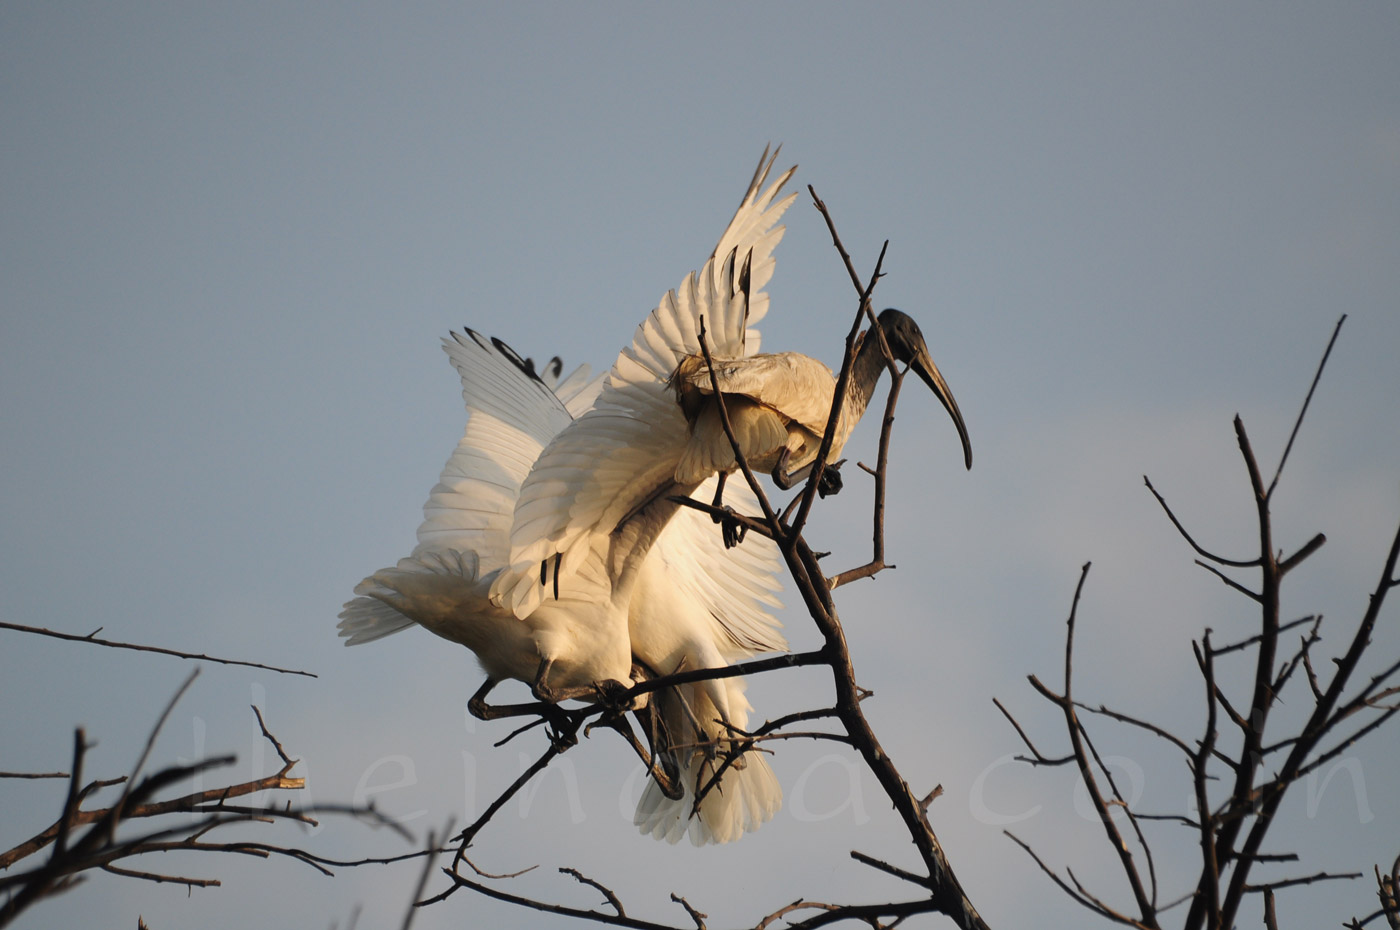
<point x="1288" y="447"/>
<point x="695" y="915"/>
<point x="1203" y="553"/>
<point x="429" y="850"/>
<point x="606" y="892"/>
<point x="92" y="638"/>
<point x="1037" y="757"/>
<point x="1078" y="744"/>
<point x="921" y="880"/>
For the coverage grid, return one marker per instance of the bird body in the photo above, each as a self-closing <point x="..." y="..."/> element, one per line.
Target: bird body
<point x="749" y="793"/>
<point x="576" y="638"/>
<point x="778" y="404"/>
<point x="462" y="544"/>
<point x="690" y="604"/>
<point x="611" y="474"/>
<point x="610" y="465"/>
<point x="636" y="571"/>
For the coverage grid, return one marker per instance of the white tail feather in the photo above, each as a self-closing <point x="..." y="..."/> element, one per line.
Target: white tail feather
<point x="747" y="795"/>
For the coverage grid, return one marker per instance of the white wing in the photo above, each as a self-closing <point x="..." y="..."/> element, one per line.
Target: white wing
<point x="621" y="454"/>
<point x="753" y="232"/>
<point x="611" y="461"/>
<point x="579" y="390"/>
<point x="735" y="586"/>
<point x="512" y="414"/>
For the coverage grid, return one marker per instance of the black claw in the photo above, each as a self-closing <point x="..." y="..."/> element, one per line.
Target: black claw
<point x="556" y="719"/>
<point x="560" y="738"/>
<point x="830" y="481"/>
<point x="733" y="531"/>
<point x="613" y="694"/>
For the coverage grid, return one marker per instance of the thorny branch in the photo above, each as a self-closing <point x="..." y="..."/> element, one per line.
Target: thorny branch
<point x="1085" y="757"/>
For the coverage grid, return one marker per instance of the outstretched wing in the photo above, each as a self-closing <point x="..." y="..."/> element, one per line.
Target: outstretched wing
<point x="604" y="466"/>
<point x="753" y="232"/>
<point x="623" y="453"/>
<point x="512" y="411"/>
<point x="512" y="414"/>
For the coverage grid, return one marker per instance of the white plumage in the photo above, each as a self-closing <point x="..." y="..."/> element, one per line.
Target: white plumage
<point x="620" y="457"/>
<point x="462" y="544"/>
<point x="778" y="404"/>
<point x="636" y="579"/>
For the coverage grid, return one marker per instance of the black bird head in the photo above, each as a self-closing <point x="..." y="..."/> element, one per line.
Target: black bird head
<point x="907" y="345"/>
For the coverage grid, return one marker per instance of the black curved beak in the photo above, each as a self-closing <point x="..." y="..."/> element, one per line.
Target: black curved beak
<point x="923" y="364"/>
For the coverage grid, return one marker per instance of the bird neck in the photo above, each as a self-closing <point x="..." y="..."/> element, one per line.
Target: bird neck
<point x="865" y="373"/>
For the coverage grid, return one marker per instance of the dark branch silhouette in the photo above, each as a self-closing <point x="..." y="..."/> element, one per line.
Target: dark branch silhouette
<point x="113" y="644"/>
<point x="1230" y="832"/>
<point x="83" y="839"/>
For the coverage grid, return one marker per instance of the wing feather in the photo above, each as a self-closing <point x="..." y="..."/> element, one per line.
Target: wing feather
<point x="737" y="587"/>
<point x="608" y="462"/>
<point x="511" y="414"/>
<point x="623" y="453"/>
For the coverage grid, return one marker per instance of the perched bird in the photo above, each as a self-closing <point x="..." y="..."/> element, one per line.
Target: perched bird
<point x="778" y="404"/>
<point x="693" y="604"/>
<point x="607" y="480"/>
<point x="659" y="581"/>
<point x="463" y="541"/>
<point x="617" y="461"/>
<point x="652" y="435"/>
<point x="616" y="471"/>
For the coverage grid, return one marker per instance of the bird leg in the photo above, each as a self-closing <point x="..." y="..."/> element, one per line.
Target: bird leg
<point x="660" y="764"/>
<point x="549" y="713"/>
<point x="482" y="711"/>
<point x="708" y="746"/>
<point x="610" y="693"/>
<point x="830" y="481"/>
<point x="733" y="531"/>
<point x="658" y="737"/>
<point x="613" y="695"/>
<point x="665" y="776"/>
<point x="719" y="492"/>
<point x="784" y="479"/>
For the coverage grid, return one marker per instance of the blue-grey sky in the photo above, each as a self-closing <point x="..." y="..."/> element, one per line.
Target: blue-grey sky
<point x="232" y="234"/>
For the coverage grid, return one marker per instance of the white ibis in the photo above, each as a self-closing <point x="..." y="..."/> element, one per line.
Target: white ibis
<point x="693" y="605"/>
<point x="661" y="585"/>
<point x="617" y="462"/>
<point x="462" y="543"/>
<point x="613" y="473"/>
<point x="778" y="404"/>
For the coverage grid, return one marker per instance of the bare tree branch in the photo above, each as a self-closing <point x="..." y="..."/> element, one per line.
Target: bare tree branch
<point x="98" y="847"/>
<point x="92" y="638"/>
<point x="1288" y="447"/>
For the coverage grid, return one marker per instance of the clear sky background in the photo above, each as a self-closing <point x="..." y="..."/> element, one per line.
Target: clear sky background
<point x="231" y="236"/>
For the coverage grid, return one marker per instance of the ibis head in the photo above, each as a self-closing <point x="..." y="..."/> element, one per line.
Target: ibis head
<point x="907" y="345"/>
